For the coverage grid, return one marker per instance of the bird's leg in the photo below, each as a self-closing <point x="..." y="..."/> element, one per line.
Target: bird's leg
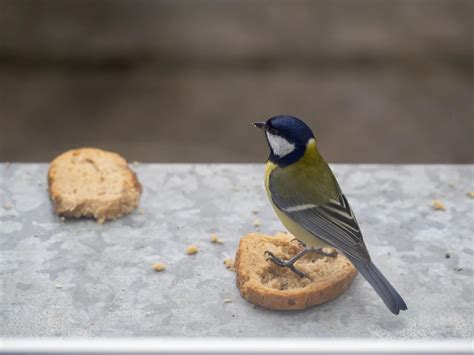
<point x="290" y="263"/>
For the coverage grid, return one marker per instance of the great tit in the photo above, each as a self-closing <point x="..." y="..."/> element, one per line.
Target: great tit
<point x="309" y="202"/>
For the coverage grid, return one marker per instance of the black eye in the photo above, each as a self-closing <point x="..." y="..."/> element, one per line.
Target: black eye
<point x="272" y="130"/>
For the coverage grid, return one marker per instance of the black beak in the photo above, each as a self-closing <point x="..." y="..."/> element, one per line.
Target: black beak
<point x="261" y="125"/>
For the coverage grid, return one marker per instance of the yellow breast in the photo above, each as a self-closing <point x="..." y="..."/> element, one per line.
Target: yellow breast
<point x="298" y="232"/>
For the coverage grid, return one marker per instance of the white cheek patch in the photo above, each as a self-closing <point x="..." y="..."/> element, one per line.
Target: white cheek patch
<point x="280" y="146"/>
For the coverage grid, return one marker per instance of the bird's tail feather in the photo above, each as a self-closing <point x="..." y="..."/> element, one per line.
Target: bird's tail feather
<point x="385" y="290"/>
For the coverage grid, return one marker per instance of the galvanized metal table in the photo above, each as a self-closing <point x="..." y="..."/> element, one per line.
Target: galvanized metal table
<point x="79" y="278"/>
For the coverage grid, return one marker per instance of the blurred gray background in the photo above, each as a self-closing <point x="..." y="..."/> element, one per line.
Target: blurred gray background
<point x="181" y="81"/>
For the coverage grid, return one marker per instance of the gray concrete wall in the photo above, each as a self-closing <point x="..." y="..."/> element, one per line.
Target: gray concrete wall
<point x="181" y="80"/>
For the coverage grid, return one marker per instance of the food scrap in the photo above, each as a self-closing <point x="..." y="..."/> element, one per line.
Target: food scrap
<point x="229" y="264"/>
<point x="192" y="249"/>
<point x="257" y="223"/>
<point x="215" y="239"/>
<point x="159" y="267"/>
<point x="438" y="205"/>
<point x="471" y="194"/>
<point x="227" y="300"/>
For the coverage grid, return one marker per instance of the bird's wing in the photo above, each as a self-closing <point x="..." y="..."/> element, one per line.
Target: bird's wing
<point x="331" y="221"/>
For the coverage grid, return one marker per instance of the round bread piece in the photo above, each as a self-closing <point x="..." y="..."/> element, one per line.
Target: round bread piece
<point x="267" y="285"/>
<point x="90" y="182"/>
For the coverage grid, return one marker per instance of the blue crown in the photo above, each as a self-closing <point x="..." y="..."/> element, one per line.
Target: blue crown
<point x="292" y="129"/>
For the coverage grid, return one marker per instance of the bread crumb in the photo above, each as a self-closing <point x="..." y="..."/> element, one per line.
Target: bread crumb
<point x="159" y="267"/>
<point x="7" y="205"/>
<point x="438" y="205"/>
<point x="135" y="163"/>
<point x="227" y="300"/>
<point x="229" y="264"/>
<point x="471" y="194"/>
<point x="215" y="239"/>
<point x="58" y="286"/>
<point x="192" y="249"/>
<point x="257" y="223"/>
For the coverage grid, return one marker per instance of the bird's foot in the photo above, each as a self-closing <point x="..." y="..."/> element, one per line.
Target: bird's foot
<point x="290" y="264"/>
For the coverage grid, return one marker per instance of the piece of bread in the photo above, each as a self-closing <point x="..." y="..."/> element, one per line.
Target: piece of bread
<point x="267" y="285"/>
<point x="90" y="182"/>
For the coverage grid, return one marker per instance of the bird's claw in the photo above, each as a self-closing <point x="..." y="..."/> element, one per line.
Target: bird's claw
<point x="272" y="257"/>
<point x="298" y="272"/>
<point x="282" y="263"/>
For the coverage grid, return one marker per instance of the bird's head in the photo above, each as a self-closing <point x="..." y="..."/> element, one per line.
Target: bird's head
<point x="287" y="137"/>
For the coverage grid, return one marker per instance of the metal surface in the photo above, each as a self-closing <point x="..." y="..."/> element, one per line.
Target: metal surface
<point x="79" y="278"/>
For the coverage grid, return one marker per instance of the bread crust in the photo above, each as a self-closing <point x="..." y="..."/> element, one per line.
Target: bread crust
<point x="90" y="182"/>
<point x="267" y="285"/>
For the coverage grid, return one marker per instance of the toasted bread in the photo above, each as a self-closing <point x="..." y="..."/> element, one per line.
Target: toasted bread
<point x="267" y="285"/>
<point x="90" y="182"/>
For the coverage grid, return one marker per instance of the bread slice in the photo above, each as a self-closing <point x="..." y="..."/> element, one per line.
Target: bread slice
<point x="90" y="182"/>
<point x="267" y="285"/>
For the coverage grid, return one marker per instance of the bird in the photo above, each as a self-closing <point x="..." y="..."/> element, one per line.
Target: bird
<point x="309" y="202"/>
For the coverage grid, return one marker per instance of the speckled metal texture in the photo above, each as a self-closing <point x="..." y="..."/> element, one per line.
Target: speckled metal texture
<point x="79" y="278"/>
